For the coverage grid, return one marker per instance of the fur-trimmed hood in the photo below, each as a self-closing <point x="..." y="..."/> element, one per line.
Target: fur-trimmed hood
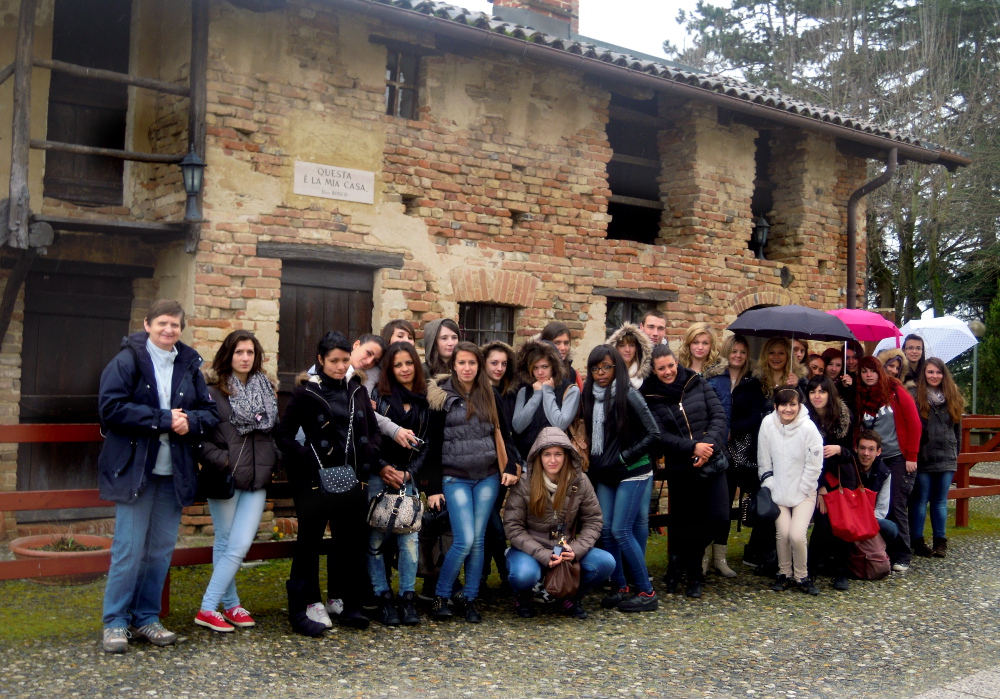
<point x="644" y="347"/>
<point x="534" y="348"/>
<point x="843" y="427"/>
<point x="511" y="374"/>
<point x="886" y="355"/>
<point x="436" y="396"/>
<point x="722" y="367"/>
<point x="311" y="373"/>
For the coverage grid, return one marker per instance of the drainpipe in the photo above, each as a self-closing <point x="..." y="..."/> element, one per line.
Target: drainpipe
<point x="852" y="225"/>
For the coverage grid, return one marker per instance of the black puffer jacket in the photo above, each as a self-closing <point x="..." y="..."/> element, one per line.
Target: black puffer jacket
<point x="686" y="417"/>
<point x="252" y="457"/>
<point x="322" y="407"/>
<point x="463" y="448"/>
<point x="939" y="441"/>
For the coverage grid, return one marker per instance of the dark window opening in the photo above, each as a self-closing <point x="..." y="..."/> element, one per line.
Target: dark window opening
<point x="485" y="322"/>
<point x="763" y="188"/>
<point x="86" y="111"/>
<point x="411" y="207"/>
<point x="401" y="84"/>
<point x="625" y="310"/>
<point x="635" y="204"/>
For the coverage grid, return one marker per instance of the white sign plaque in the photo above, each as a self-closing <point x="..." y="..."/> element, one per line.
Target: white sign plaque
<point x="332" y="182"/>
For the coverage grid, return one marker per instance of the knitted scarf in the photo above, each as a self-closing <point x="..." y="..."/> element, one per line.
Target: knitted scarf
<point x="254" y="406"/>
<point x="597" y="438"/>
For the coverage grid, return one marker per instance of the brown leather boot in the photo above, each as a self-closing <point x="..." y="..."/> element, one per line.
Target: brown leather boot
<point x="920" y="547"/>
<point x="940" y="547"/>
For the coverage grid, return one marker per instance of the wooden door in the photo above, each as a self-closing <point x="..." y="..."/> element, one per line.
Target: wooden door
<point x="73" y="326"/>
<point x="315" y="299"/>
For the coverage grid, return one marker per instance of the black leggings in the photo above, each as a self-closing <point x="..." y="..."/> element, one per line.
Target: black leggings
<point x="698" y="507"/>
<point x="347" y="565"/>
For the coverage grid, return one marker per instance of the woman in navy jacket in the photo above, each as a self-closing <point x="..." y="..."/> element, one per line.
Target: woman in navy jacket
<point x="155" y="409"/>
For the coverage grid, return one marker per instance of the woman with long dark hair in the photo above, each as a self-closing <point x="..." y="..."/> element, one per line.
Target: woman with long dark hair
<point x="401" y="395"/>
<point x="440" y="338"/>
<point x="241" y="444"/>
<point x="620" y="431"/>
<point x="337" y="419"/>
<point x="554" y="505"/>
<point x="916" y="356"/>
<point x="559" y="335"/>
<point x="884" y="405"/>
<point x="469" y="436"/>
<point x="692" y="430"/>
<point x="940" y="405"/>
<point x="833" y="419"/>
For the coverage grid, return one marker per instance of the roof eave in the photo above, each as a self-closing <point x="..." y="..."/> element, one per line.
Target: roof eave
<point x="485" y="38"/>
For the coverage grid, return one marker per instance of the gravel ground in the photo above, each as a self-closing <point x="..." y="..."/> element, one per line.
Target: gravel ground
<point x="894" y="638"/>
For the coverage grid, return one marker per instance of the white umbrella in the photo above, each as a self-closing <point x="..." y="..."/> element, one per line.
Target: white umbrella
<point x="944" y="338"/>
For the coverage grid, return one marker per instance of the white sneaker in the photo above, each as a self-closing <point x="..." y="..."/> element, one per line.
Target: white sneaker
<point x="316" y="612"/>
<point x="334" y="607"/>
<point x="900" y="567"/>
<point x="115" y="639"/>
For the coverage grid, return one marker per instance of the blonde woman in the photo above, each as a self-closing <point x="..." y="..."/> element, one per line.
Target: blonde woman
<point x="699" y="348"/>
<point x="776" y="366"/>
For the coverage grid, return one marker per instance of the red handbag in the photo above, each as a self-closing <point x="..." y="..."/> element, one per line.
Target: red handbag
<point x="852" y="512"/>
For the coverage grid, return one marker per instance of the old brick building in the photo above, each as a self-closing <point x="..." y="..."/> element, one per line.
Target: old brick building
<point x="379" y="159"/>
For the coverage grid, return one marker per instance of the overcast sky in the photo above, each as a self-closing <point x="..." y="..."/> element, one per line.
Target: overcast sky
<point x="636" y="24"/>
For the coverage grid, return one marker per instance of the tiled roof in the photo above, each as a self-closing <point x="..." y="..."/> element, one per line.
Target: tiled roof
<point x="710" y="82"/>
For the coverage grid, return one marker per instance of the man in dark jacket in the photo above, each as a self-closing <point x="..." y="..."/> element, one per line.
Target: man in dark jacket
<point x="875" y="476"/>
<point x="155" y="409"/>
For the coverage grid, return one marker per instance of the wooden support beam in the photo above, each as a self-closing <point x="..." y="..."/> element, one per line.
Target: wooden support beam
<point x="113" y="76"/>
<point x="197" y="129"/>
<point x="167" y="158"/>
<point x="6" y="72"/>
<point x="14" y="281"/>
<point x="20" y="196"/>
<point x="635" y="201"/>
<point x="170" y="230"/>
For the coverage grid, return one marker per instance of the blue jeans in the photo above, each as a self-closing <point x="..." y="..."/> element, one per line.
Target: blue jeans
<point x="524" y="571"/>
<point x="145" y="536"/>
<point x="623" y="506"/>
<point x="236" y="521"/>
<point x="933" y="488"/>
<point x="407" y="544"/>
<point x="888" y="529"/>
<point x="470" y="503"/>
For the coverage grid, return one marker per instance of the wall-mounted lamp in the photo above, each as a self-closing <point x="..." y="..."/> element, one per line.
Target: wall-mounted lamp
<point x="193" y="170"/>
<point x="759" y="236"/>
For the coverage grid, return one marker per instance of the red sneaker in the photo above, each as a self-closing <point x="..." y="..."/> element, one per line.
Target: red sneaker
<point x="214" y="621"/>
<point x="238" y="616"/>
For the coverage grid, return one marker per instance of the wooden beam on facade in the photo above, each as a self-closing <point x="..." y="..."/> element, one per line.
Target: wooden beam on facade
<point x="636" y="201"/>
<point x="14" y="281"/>
<point x="168" y="230"/>
<point x="113" y="76"/>
<point x="197" y="129"/>
<point x="167" y="158"/>
<point x="20" y="195"/>
<point x="334" y="254"/>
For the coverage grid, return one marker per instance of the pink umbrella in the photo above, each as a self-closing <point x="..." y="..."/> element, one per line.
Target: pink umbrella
<point x="866" y="326"/>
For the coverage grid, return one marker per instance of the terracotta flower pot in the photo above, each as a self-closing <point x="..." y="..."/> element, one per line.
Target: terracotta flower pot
<point x="27" y="548"/>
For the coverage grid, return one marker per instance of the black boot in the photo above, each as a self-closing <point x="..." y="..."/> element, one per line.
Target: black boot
<point x="920" y="547"/>
<point x="407" y="611"/>
<point x="940" y="547"/>
<point x="673" y="576"/>
<point x="524" y="605"/>
<point x="387" y="609"/>
<point x="353" y="618"/>
<point x="694" y="587"/>
<point x="297" y="602"/>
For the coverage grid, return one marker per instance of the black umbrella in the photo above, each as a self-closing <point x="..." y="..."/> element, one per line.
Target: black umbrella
<point x="792" y="322"/>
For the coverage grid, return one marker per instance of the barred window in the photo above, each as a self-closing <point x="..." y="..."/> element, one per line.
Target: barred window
<point x="625" y="310"/>
<point x="485" y="322"/>
<point x="401" y="84"/>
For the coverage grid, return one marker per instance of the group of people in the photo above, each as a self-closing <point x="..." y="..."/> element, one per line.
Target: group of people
<point x="514" y="446"/>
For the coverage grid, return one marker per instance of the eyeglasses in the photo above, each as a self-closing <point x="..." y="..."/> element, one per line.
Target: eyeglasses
<point x="602" y="369"/>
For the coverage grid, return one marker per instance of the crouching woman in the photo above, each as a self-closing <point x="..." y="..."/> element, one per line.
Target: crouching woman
<point x="554" y="504"/>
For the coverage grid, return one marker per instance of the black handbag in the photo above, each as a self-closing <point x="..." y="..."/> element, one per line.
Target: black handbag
<point x="335" y="480"/>
<point x="760" y="506"/>
<point x="718" y="462"/>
